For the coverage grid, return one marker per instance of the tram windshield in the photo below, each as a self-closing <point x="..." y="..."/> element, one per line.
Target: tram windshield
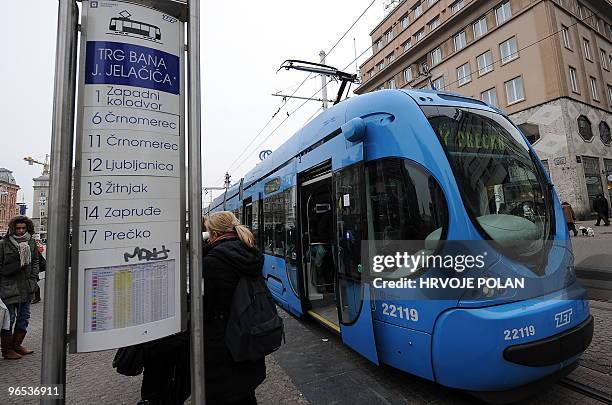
<point x="502" y="188"/>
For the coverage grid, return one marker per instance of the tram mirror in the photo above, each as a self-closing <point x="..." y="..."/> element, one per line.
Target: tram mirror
<point x="354" y="130"/>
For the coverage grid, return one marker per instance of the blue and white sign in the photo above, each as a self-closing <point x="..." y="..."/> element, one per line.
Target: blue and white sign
<point x="129" y="196"/>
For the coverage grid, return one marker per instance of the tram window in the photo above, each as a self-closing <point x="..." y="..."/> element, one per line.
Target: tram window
<point x="405" y="203"/>
<point x="291" y="239"/>
<point x="274" y="225"/>
<point x="255" y="223"/>
<point x="501" y="186"/>
<point x="290" y="225"/>
<point x="348" y="186"/>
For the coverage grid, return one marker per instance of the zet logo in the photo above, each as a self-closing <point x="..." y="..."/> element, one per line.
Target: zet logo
<point x="563" y="318"/>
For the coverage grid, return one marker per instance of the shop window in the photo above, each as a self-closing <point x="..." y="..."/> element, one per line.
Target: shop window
<point x="604" y="133"/>
<point x="592" y="177"/>
<point x="608" y="168"/>
<point x="584" y="128"/>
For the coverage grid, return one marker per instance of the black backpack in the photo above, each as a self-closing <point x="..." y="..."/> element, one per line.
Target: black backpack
<point x="254" y="328"/>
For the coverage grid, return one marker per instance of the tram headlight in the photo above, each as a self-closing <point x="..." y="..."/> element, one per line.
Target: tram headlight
<point x="491" y="292"/>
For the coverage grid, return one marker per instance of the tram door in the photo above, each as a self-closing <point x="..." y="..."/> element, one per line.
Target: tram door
<point x="318" y="250"/>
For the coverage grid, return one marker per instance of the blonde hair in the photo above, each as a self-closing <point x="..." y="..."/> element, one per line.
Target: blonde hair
<point x="224" y="222"/>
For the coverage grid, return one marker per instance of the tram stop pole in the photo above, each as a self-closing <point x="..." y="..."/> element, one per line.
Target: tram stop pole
<point x="196" y="285"/>
<point x="53" y="370"/>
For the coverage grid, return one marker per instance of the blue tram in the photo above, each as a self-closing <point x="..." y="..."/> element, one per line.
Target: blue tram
<point x="420" y="165"/>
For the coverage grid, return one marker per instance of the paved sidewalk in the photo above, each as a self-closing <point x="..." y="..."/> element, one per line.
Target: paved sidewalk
<point x="91" y="378"/>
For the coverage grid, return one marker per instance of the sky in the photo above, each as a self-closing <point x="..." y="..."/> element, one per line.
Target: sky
<point x="243" y="44"/>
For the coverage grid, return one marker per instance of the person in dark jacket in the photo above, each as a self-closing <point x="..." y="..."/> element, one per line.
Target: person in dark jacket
<point x="600" y="205"/>
<point x="228" y="254"/>
<point x="18" y="279"/>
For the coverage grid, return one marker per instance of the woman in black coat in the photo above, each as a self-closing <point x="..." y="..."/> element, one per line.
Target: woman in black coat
<point x="228" y="254"/>
<point x="18" y="279"/>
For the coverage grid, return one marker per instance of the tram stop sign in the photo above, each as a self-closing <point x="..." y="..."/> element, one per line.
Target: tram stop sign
<point x="129" y="178"/>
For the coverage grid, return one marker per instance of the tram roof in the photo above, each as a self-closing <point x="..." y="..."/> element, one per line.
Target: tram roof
<point x="332" y="118"/>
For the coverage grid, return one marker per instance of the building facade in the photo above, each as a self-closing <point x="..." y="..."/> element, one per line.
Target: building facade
<point x="40" y="205"/>
<point x="8" y="199"/>
<point x="547" y="64"/>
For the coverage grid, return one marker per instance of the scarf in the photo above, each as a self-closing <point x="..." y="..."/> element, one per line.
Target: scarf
<point x="23" y="246"/>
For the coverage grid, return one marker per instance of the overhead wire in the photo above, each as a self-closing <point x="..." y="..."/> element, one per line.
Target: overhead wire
<point x="286" y="100"/>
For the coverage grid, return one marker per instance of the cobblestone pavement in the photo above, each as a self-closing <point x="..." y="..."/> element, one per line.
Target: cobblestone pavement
<point x="91" y="378"/>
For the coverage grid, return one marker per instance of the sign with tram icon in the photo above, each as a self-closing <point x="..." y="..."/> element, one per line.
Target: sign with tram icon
<point x="123" y="25"/>
<point x="129" y="178"/>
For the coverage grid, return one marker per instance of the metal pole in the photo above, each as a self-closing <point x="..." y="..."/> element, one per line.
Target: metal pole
<point x="55" y="318"/>
<point x="323" y="82"/>
<point x="196" y="284"/>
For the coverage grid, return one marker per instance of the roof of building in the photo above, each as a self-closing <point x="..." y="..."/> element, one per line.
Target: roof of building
<point x="6" y="176"/>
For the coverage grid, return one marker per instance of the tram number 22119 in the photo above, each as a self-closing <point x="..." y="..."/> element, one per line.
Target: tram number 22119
<point x="396" y="311"/>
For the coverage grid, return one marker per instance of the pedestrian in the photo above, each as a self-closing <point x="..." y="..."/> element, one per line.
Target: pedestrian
<point x="570" y="217"/>
<point x="600" y="205"/>
<point x="42" y="266"/>
<point x="18" y="274"/>
<point x="229" y="253"/>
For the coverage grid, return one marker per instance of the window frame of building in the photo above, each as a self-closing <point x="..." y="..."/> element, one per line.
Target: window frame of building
<point x="593" y="85"/>
<point x="480" y="32"/>
<point x="389" y="35"/>
<point x="586" y="48"/>
<point x="419" y="35"/>
<point x="436" y="56"/>
<point x="585" y="128"/>
<point x="434" y="23"/>
<point x="457" y="6"/>
<point x="405" y="22"/>
<point x="610" y="95"/>
<point x="391" y="83"/>
<point x="417" y="10"/>
<point x="390" y="57"/>
<point x="438" y="83"/>
<point x="370" y="73"/>
<point x="575" y="86"/>
<point x="407" y="45"/>
<point x="488" y="99"/>
<point x="465" y="79"/>
<point x="567" y="41"/>
<point x="380" y="65"/>
<point x="462" y="43"/>
<point x="511" y="55"/>
<point x="604" y="59"/>
<point x="513" y="81"/>
<point x="431" y="2"/>
<point x="580" y="10"/>
<point x="604" y="132"/>
<point x="408" y="75"/>
<point x="503" y="18"/>
<point x="488" y="67"/>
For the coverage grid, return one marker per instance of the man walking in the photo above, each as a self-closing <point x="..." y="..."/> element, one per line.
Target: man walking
<point x="568" y="213"/>
<point x="600" y="205"/>
<point x="18" y="274"/>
